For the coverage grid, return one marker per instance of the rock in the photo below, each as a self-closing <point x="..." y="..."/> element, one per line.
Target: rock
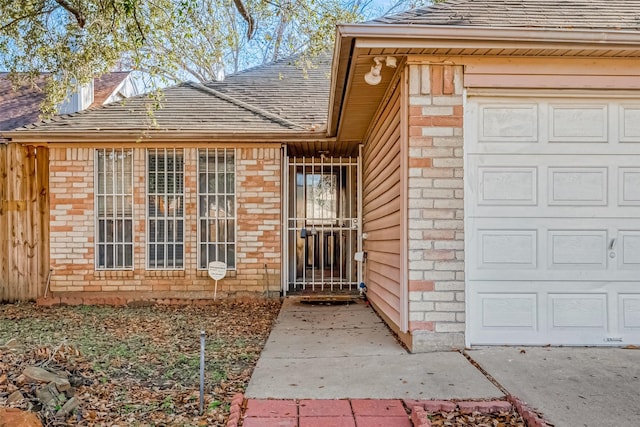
<point x="12" y="417"/>
<point x="16" y="396"/>
<point x="3" y="379"/>
<point x="42" y="375"/>
<point x="68" y="407"/>
<point x="49" y="395"/>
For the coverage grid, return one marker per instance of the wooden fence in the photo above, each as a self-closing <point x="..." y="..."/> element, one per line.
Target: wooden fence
<point x="24" y="222"/>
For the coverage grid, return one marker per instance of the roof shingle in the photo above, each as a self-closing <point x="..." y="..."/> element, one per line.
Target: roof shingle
<point x="555" y="14"/>
<point x="274" y="97"/>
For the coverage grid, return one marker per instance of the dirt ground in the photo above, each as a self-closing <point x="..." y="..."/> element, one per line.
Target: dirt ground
<point x="134" y="366"/>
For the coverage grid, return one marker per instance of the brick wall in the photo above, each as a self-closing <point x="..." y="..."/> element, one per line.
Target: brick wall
<point x="258" y="237"/>
<point x="436" y="235"/>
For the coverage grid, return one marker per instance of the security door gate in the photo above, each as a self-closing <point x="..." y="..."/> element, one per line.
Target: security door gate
<point x="323" y="224"/>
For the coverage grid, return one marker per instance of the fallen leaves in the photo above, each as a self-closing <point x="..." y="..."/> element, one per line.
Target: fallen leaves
<point x="135" y="366"/>
<point x="476" y="419"/>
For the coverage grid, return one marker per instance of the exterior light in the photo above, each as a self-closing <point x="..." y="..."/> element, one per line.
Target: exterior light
<point x="374" y="76"/>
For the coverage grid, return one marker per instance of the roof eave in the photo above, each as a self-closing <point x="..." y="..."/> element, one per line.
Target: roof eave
<point x="504" y="34"/>
<point x="154" y="136"/>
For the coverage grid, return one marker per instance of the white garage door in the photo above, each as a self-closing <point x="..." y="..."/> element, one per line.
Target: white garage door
<point x="552" y="220"/>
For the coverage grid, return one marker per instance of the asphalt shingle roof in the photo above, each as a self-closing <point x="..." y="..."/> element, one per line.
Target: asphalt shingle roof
<point x="21" y="106"/>
<point x="556" y="14"/>
<point x="275" y="97"/>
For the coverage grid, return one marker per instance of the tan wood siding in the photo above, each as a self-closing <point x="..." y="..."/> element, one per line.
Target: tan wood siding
<point x="551" y="73"/>
<point x="382" y="210"/>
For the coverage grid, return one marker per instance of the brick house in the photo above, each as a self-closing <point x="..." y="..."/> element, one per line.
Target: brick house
<point x="474" y="163"/>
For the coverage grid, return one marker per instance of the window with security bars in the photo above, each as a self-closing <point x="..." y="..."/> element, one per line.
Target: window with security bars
<point x="165" y="209"/>
<point x="113" y="194"/>
<point x="216" y="207"/>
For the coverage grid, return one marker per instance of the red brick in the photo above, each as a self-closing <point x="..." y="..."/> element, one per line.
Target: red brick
<point x="270" y="422"/>
<point x="378" y="407"/>
<point x="419" y="417"/>
<point x="421" y="285"/>
<point x="420" y="162"/>
<point x="395" y="421"/>
<point x="447" y="121"/>
<point x="327" y="421"/>
<point x="447" y="80"/>
<point x="271" y="408"/>
<point x="437" y="79"/>
<point x="313" y="408"/>
<point x="432" y="405"/>
<point x="421" y="326"/>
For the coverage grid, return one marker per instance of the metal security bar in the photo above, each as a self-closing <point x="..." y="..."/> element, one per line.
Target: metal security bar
<point x="114" y="209"/>
<point x="216" y="207"/>
<point x="165" y="209"/>
<point x="322" y="224"/>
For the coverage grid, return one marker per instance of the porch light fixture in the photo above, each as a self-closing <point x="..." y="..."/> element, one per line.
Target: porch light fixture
<point x="374" y="76"/>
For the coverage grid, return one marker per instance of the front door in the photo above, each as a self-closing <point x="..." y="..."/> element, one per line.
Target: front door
<point x="322" y="225"/>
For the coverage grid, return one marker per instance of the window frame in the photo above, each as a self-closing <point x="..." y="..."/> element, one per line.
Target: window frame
<point x="97" y="194"/>
<point x="217" y="153"/>
<point x="166" y="243"/>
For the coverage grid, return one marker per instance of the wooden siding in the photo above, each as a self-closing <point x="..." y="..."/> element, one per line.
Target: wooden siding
<point x="382" y="210"/>
<point x="24" y="222"/>
<point x="551" y="73"/>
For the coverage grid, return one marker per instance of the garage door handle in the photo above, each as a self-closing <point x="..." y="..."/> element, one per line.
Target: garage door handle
<point x="612" y="244"/>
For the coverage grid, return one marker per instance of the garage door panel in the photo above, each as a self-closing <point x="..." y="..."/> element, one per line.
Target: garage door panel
<point x="578" y="123"/>
<point x="512" y="311"/>
<point x="577" y="186"/>
<point x="516" y="123"/>
<point x="577" y="249"/>
<point x="629" y="186"/>
<point x="507" y="249"/>
<point x="571" y="311"/>
<point x="629" y="241"/>
<point x="629" y="308"/>
<point x="629" y="123"/>
<point x="504" y="186"/>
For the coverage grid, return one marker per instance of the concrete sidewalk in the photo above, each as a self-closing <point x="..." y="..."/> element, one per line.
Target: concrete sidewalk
<point x="570" y="386"/>
<point x="345" y="351"/>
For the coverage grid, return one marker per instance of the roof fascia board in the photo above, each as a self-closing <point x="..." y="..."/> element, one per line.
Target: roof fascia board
<point x="104" y="137"/>
<point x="430" y="33"/>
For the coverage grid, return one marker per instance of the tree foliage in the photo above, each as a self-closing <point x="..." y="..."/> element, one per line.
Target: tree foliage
<point x="77" y="40"/>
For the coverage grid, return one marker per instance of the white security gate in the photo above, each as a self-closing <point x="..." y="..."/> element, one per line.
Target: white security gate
<point x="552" y="220"/>
<point x="323" y="225"/>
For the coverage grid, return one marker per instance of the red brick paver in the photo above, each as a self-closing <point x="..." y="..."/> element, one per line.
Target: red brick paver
<point x="391" y="421"/>
<point x="271" y="422"/>
<point x="378" y="407"/>
<point x="325" y="408"/>
<point x="327" y="421"/>
<point x="257" y="408"/>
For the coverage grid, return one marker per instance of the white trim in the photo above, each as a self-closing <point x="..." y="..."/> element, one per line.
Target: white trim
<point x="284" y="209"/>
<point x="404" y="201"/>
<point x="466" y="131"/>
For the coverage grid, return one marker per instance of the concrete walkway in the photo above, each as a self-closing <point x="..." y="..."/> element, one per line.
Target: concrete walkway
<point x="572" y="387"/>
<point x="346" y="351"/>
<point x="317" y="354"/>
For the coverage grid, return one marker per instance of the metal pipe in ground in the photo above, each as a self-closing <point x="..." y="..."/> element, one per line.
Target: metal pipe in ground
<point x="201" y="372"/>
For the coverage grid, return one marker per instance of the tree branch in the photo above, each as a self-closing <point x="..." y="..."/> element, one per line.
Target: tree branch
<point x="246" y="16"/>
<point x="80" y="19"/>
